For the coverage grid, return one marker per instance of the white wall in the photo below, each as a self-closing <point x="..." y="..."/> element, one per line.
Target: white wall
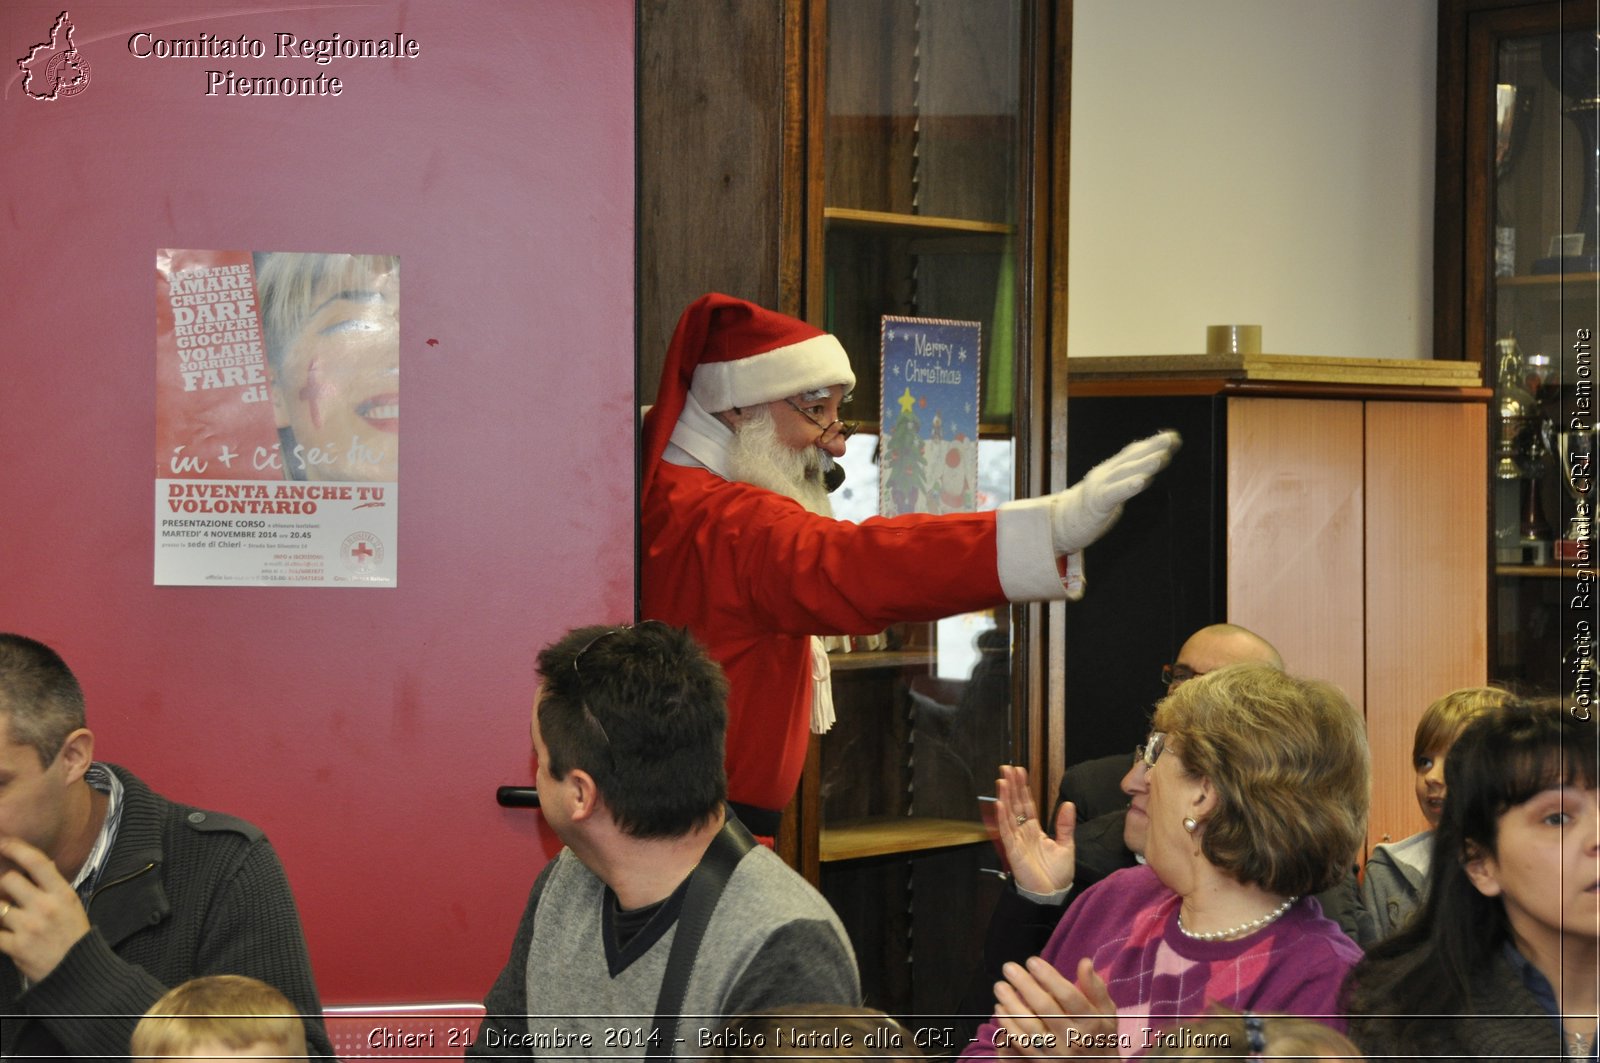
<point x="1252" y="162"/>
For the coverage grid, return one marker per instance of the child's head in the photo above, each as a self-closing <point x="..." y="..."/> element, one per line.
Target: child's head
<point x="1437" y="731"/>
<point x="219" y="1017"/>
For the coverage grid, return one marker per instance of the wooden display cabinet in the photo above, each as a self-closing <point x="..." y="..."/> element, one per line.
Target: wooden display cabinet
<point x="1518" y="292"/>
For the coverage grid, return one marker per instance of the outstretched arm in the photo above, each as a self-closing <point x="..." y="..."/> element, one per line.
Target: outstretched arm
<point x="1086" y="510"/>
<point x="1042" y="539"/>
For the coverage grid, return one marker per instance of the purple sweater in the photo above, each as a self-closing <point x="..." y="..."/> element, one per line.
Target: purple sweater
<point x="1128" y="925"/>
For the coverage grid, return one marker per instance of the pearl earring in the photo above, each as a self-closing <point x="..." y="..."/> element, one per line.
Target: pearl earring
<point x="1190" y="823"/>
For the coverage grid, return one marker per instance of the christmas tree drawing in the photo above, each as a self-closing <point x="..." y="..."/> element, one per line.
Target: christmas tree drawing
<point x="902" y="458"/>
<point x="929" y="452"/>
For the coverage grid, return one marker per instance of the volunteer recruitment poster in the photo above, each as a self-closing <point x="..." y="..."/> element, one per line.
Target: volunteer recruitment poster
<point x="277" y="419"/>
<point x="929" y="454"/>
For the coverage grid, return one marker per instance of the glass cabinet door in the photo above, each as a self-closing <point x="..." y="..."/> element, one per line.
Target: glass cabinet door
<point x="924" y="144"/>
<point x="1537" y="114"/>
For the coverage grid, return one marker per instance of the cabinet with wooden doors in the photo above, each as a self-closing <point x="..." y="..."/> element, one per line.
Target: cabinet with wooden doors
<point x="1322" y="503"/>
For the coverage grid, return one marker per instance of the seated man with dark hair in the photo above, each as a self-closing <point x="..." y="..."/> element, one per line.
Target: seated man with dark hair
<point x="660" y="904"/>
<point x="109" y="893"/>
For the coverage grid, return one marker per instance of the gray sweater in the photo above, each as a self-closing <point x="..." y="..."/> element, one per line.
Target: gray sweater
<point x="1393" y="886"/>
<point x="569" y="990"/>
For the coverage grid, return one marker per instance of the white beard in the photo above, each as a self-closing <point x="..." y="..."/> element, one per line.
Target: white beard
<point x="756" y="456"/>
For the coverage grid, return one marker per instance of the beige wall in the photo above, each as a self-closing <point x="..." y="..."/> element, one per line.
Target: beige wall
<point x="1252" y="161"/>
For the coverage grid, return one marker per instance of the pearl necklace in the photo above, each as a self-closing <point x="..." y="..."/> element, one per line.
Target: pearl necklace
<point x="1242" y="928"/>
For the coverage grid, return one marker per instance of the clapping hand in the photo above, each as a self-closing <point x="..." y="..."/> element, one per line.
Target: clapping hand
<point x="1042" y="1014"/>
<point x="1039" y="863"/>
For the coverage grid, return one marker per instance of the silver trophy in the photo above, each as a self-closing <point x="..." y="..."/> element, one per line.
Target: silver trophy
<point x="1534" y="455"/>
<point x="1576" y="448"/>
<point x="1518" y="409"/>
<point x="1517" y="421"/>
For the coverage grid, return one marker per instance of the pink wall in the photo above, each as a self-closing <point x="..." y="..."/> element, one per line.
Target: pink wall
<point x="365" y="730"/>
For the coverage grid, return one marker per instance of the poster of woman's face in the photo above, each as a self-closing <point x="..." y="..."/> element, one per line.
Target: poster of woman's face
<point x="333" y="350"/>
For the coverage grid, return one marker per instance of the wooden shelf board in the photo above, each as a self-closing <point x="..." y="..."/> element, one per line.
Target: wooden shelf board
<point x="1538" y="571"/>
<point x="887" y="835"/>
<point x="1547" y="280"/>
<point x="1293" y="368"/>
<point x="846" y="662"/>
<point x="912" y="223"/>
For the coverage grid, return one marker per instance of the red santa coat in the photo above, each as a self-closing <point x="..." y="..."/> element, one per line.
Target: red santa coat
<point x="754" y="575"/>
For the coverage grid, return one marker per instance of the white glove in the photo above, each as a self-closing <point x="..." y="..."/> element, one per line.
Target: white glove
<point x="1083" y="512"/>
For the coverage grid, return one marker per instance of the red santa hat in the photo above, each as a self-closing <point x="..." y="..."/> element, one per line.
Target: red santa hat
<point x="731" y="353"/>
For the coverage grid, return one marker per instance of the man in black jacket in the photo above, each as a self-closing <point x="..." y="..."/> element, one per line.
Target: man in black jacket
<point x="109" y="893"/>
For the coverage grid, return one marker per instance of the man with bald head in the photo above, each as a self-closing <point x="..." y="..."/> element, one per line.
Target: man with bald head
<point x="1095" y="786"/>
<point x="1218" y="645"/>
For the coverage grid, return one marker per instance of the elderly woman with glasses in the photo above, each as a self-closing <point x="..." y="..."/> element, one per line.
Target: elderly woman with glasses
<point x="1252" y="793"/>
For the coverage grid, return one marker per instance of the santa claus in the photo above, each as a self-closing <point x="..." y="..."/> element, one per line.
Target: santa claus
<point x="738" y="544"/>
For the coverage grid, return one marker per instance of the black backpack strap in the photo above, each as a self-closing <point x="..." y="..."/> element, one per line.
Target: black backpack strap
<point x="705" y="888"/>
<point x="759" y="820"/>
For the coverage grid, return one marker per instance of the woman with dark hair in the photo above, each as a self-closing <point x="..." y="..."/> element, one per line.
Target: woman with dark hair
<point x="1252" y="795"/>
<point x="1501" y="960"/>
